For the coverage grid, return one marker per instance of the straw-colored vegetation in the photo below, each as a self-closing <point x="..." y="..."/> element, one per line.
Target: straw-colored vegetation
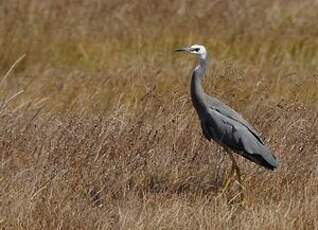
<point x="97" y="130"/>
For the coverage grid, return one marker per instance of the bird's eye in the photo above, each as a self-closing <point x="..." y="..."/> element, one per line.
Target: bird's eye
<point x="196" y="49"/>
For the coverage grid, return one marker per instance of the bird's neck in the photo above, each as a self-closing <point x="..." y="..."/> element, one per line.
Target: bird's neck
<point x="197" y="92"/>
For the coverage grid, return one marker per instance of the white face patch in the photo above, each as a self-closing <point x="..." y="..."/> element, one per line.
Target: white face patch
<point x="198" y="50"/>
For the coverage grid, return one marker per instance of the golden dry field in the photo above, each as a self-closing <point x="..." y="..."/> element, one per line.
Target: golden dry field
<point x="97" y="129"/>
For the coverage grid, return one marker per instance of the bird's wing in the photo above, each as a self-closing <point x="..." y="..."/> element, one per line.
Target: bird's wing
<point x="237" y="136"/>
<point x="227" y="111"/>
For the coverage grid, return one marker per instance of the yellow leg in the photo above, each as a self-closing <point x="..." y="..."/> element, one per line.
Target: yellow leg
<point x="238" y="173"/>
<point x="229" y="180"/>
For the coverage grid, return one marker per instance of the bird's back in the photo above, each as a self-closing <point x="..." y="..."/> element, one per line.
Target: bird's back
<point x="214" y="103"/>
<point x="227" y="127"/>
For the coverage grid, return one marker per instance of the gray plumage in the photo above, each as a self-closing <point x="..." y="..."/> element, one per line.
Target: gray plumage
<point x="221" y="123"/>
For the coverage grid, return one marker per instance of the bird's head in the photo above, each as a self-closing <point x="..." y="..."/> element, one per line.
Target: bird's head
<point x="198" y="50"/>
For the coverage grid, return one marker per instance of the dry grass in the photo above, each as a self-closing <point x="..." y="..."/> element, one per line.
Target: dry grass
<point x="97" y="127"/>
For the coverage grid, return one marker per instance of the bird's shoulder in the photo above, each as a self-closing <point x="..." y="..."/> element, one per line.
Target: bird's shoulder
<point x="224" y="110"/>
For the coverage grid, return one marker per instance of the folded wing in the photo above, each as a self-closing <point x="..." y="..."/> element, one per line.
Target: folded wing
<point x="228" y="128"/>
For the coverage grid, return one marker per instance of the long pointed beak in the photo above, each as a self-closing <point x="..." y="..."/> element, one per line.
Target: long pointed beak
<point x="182" y="50"/>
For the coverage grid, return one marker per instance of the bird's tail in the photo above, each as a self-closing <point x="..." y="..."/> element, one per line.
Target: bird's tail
<point x="268" y="162"/>
<point x="260" y="154"/>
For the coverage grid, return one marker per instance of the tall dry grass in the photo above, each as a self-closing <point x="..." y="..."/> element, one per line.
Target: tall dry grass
<point x="98" y="130"/>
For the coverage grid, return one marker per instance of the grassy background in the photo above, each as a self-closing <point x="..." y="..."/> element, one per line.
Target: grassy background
<point x="98" y="130"/>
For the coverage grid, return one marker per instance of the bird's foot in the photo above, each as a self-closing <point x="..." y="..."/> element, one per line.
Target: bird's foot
<point x="239" y="196"/>
<point x="240" y="200"/>
<point x="227" y="184"/>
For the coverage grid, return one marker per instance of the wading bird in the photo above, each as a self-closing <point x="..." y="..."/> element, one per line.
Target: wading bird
<point x="225" y="126"/>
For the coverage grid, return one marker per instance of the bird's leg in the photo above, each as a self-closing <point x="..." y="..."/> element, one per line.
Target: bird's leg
<point x="229" y="180"/>
<point x="238" y="173"/>
<point x="236" y="168"/>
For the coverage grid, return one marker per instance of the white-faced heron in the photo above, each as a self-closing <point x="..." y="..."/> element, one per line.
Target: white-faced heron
<point x="224" y="125"/>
